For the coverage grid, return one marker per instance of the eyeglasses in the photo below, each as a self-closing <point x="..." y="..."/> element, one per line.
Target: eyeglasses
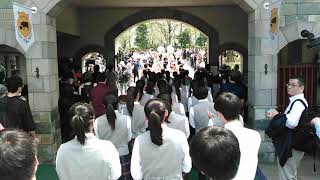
<point x="292" y="85"/>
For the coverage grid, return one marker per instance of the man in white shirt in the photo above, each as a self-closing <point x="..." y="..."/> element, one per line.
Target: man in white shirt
<point x="228" y="107"/>
<point x="295" y="88"/>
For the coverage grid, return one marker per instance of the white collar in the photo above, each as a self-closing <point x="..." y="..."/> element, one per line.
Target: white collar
<point x="298" y="96"/>
<point x="203" y="100"/>
<point x="233" y="123"/>
<point x="136" y="102"/>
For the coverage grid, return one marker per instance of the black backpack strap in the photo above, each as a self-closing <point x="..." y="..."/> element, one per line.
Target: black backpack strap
<point x="296" y="101"/>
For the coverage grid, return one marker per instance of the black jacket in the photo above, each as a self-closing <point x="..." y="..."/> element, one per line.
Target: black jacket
<point x="281" y="137"/>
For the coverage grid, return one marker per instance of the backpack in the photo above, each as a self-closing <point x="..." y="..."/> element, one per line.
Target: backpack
<point x="304" y="136"/>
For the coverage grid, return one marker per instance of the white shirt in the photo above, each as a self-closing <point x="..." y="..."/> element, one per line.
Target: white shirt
<point x="178" y="108"/>
<point x="96" y="159"/>
<point x="168" y="133"/>
<point x="249" y="142"/>
<point x="294" y="116"/>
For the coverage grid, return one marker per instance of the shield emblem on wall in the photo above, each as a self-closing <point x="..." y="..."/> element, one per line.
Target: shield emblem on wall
<point x="24" y="24"/>
<point x="274" y="22"/>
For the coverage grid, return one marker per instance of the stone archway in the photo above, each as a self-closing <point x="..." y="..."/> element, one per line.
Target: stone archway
<point x="168" y="13"/>
<point x="240" y="49"/>
<point x="87" y="49"/>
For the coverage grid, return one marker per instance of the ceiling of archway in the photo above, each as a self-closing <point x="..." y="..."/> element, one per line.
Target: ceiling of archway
<point x="149" y="3"/>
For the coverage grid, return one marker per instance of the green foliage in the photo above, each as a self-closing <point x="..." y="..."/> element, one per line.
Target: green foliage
<point x="141" y="40"/>
<point x="201" y="40"/>
<point x="184" y="39"/>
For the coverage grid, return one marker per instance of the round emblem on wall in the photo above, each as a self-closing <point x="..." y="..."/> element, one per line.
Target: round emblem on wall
<point x="23" y="24"/>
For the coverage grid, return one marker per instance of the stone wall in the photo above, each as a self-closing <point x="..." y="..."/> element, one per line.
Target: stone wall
<point x="43" y="91"/>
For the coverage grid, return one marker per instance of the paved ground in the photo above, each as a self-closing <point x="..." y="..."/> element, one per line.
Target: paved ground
<point x="305" y="170"/>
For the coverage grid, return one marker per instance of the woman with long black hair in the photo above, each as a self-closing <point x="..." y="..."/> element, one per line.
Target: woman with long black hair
<point x="161" y="152"/>
<point x="115" y="127"/>
<point x="86" y="157"/>
<point x="136" y="112"/>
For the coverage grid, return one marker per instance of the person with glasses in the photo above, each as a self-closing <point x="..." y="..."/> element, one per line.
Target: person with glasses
<point x="295" y="88"/>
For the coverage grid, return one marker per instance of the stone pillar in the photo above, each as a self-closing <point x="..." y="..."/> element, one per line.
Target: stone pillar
<point x="44" y="90"/>
<point x="262" y="78"/>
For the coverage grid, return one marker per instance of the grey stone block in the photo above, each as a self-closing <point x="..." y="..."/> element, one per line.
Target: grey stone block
<point x="309" y="9"/>
<point x="294" y="18"/>
<point x="289" y="9"/>
<point x="46" y="154"/>
<point x="266" y="147"/>
<point x="44" y="128"/>
<point x="266" y="157"/>
<point x="261" y="124"/>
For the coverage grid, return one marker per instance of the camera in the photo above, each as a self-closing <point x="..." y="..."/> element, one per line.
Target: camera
<point x="312" y="41"/>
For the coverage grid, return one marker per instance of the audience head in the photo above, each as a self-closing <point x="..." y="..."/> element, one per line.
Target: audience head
<point x="96" y="68"/>
<point x="295" y="85"/>
<point x="18" y="155"/>
<point x="167" y="99"/>
<point x="14" y="84"/>
<point x="228" y="106"/>
<point x="156" y="112"/>
<point x="82" y="120"/>
<point x="215" y="152"/>
<point x="201" y="92"/>
<point x="235" y="76"/>
<point x="111" y="103"/>
<point x="101" y="77"/>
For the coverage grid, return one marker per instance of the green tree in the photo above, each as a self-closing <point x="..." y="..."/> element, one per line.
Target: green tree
<point x="184" y="39"/>
<point x="201" y="40"/>
<point x="141" y="39"/>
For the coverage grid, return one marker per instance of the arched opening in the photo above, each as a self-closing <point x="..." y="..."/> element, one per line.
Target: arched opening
<point x="231" y="59"/>
<point x="171" y="40"/>
<point x="89" y="60"/>
<point x="296" y="59"/>
<point x="164" y="13"/>
<point x="13" y="63"/>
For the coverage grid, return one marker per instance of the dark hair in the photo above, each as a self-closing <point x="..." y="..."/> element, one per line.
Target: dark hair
<point x="82" y="118"/>
<point x="177" y="84"/>
<point x="13" y="83"/>
<point x="200" y="92"/>
<point x="235" y="76"/>
<point x="168" y="100"/>
<point x="168" y="76"/>
<point x="229" y="105"/>
<point x="215" y="152"/>
<point x="18" y="153"/>
<point x="299" y="78"/>
<point x="150" y="86"/>
<point x="132" y="94"/>
<point x="155" y="110"/>
<point x="111" y="103"/>
<point x="96" y="68"/>
<point x="101" y="77"/>
<point x="140" y="87"/>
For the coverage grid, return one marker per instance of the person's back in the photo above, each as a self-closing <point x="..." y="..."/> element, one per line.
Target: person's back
<point x="118" y="136"/>
<point x="86" y="157"/>
<point x="97" y="93"/>
<point x="249" y="151"/>
<point x="161" y="152"/>
<point x="228" y="107"/>
<point x="88" y="162"/>
<point x="16" y="107"/>
<point x="161" y="161"/>
<point x="138" y="122"/>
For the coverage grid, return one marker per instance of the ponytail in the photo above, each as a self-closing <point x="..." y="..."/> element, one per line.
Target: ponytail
<point x="81" y="121"/>
<point x="111" y="116"/>
<point x="79" y="128"/>
<point x="155" y="128"/>
<point x="111" y="103"/>
<point x="132" y="94"/>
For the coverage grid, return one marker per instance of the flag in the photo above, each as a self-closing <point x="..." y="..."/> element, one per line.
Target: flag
<point x="23" y="25"/>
